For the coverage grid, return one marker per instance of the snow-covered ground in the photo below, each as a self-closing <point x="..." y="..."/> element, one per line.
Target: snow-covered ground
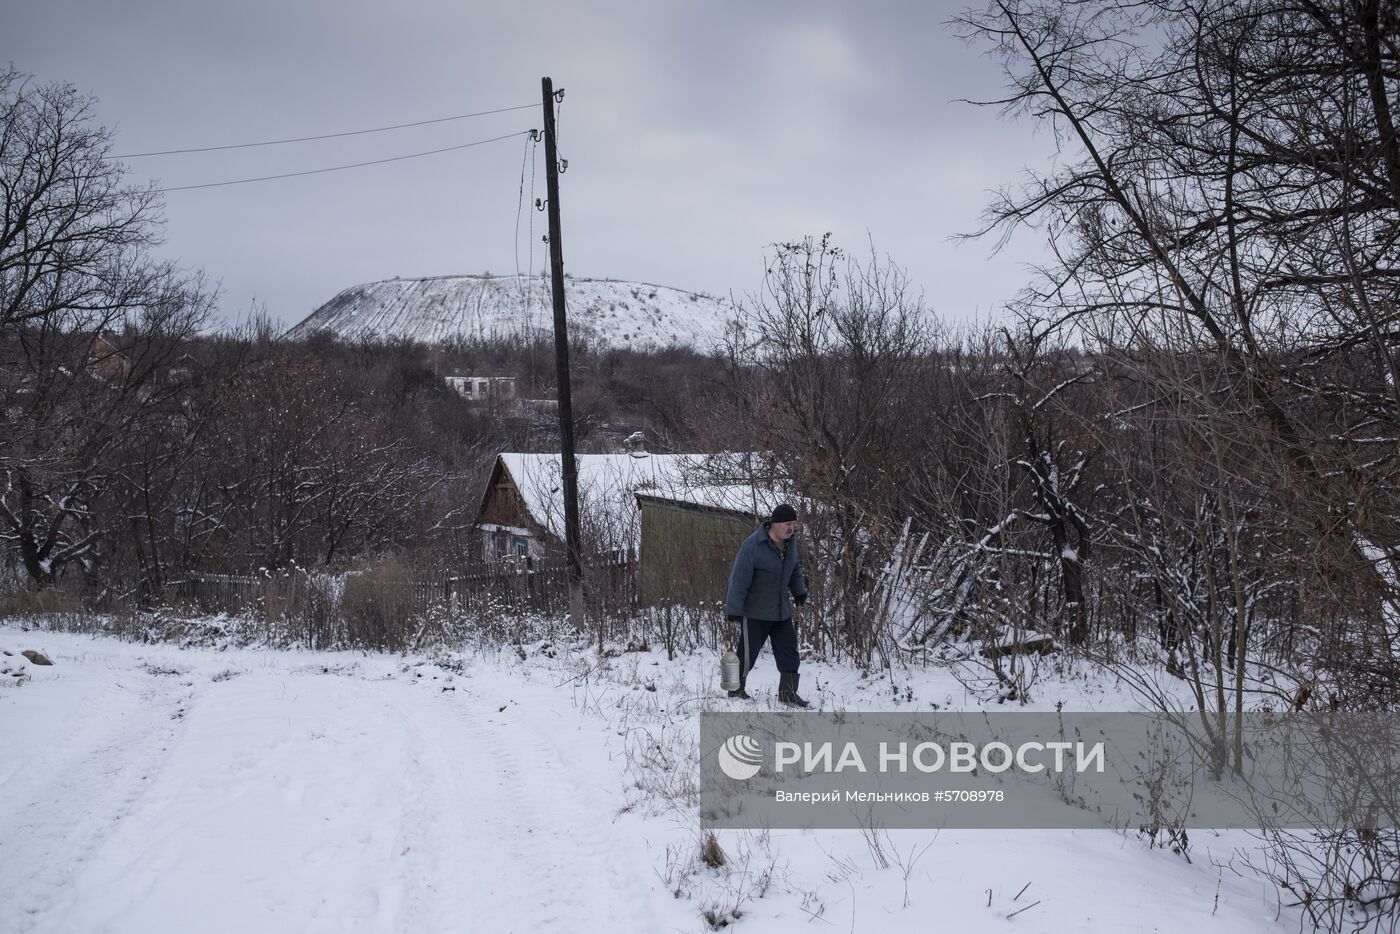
<point x="150" y="788"/>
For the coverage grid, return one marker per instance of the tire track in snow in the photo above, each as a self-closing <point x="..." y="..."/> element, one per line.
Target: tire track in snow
<point x="84" y="796"/>
<point x="517" y="835"/>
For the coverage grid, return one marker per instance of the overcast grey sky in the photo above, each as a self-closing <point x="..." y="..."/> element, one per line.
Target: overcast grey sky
<point x="695" y="133"/>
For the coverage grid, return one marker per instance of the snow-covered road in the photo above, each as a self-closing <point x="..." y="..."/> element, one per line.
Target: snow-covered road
<point x="160" y="790"/>
<point x="170" y="791"/>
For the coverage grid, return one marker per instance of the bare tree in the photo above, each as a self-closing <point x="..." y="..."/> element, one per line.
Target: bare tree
<point x="75" y="234"/>
<point x="89" y="321"/>
<point x="841" y="343"/>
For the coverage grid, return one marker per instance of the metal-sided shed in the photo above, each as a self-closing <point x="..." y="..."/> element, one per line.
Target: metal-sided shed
<point x="689" y="541"/>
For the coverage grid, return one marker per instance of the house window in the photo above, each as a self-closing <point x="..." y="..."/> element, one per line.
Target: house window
<point x="520" y="546"/>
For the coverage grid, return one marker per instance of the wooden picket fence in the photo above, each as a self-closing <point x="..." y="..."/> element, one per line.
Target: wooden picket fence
<point x="226" y="593"/>
<point x="543" y="585"/>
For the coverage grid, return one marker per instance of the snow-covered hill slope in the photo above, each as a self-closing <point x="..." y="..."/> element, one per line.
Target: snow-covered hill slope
<point x="474" y="308"/>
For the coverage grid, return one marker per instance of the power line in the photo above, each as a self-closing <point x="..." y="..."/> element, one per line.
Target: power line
<point x="525" y="282"/>
<point x="304" y="139"/>
<point x="519" y="204"/>
<point x="353" y="165"/>
<point x="530" y="237"/>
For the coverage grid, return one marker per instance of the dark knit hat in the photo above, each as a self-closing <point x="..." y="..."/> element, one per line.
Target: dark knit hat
<point x="783" y="513"/>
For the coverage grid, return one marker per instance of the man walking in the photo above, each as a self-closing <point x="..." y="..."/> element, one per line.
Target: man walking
<point x="765" y="571"/>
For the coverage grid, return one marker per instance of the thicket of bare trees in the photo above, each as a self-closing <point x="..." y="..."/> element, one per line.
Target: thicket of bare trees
<point x="89" y="324"/>
<point x="1226" y="229"/>
<point x="255" y="454"/>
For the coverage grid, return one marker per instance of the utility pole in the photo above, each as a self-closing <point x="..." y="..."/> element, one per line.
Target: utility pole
<point x="561" y="363"/>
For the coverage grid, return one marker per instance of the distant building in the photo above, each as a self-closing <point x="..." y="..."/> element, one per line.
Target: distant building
<point x="183" y="369"/>
<point x="103" y="358"/>
<point x="484" y="389"/>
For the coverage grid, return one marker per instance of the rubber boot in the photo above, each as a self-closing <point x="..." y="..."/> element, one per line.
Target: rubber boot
<point x="787" y="690"/>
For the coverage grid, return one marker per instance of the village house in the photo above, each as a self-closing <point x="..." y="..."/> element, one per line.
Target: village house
<point x="522" y="507"/>
<point x="103" y="358"/>
<point x="678" y="518"/>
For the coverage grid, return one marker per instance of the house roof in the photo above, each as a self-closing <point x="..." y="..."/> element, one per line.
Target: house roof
<point x="609" y="483"/>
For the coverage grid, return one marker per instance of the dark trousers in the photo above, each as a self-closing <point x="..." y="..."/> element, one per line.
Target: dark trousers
<point x="784" y="636"/>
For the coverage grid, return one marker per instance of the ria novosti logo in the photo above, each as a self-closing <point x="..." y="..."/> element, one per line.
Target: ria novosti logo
<point x="740" y="757"/>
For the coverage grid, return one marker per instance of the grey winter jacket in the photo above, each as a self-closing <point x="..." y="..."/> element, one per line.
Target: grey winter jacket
<point x="762" y="578"/>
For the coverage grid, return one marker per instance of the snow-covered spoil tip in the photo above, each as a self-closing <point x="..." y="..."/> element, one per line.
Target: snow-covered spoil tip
<point x="489" y="308"/>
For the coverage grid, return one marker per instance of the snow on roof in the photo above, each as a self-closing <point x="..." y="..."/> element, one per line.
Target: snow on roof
<point x="608" y="485"/>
